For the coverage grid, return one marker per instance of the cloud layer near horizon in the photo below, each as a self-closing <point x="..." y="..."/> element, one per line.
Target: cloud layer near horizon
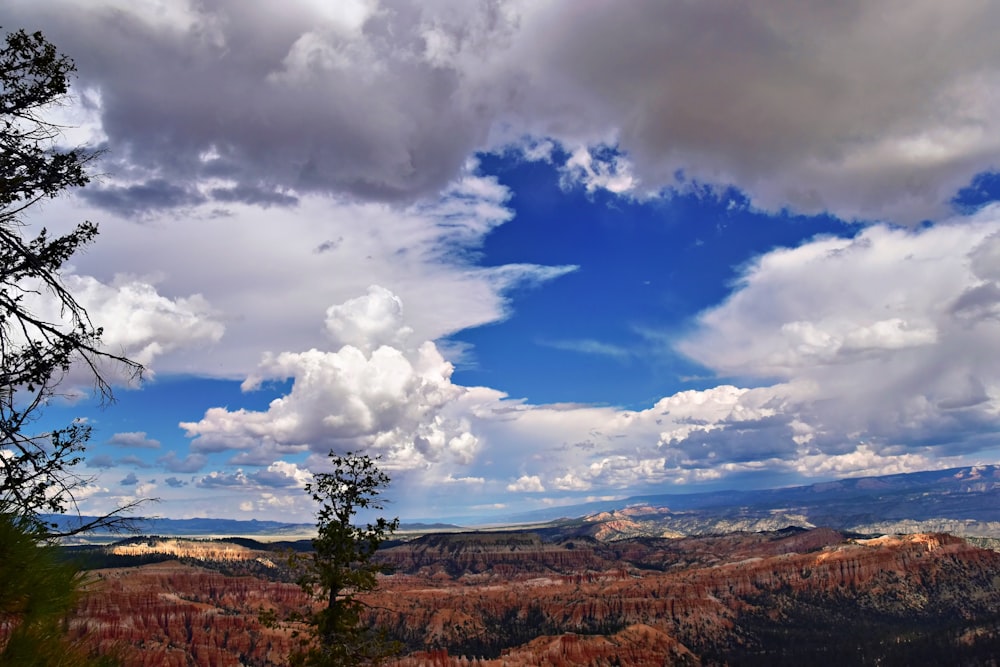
<point x="865" y="110"/>
<point x="869" y="355"/>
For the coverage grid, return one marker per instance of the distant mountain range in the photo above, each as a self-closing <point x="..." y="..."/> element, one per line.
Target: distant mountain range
<point x="961" y="501"/>
<point x="222" y="527"/>
<point x="191" y="527"/>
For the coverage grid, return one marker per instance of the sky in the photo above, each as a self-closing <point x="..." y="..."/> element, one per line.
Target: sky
<point x="530" y="253"/>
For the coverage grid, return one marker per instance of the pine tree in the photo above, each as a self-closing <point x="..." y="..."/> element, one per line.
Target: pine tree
<point x="36" y="354"/>
<point x="342" y="565"/>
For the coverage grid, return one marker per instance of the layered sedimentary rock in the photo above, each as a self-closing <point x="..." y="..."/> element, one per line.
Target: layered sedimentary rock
<point x="638" y="645"/>
<point x="699" y="591"/>
<point x="516" y="599"/>
<point x="170" y="614"/>
<point x="198" y="550"/>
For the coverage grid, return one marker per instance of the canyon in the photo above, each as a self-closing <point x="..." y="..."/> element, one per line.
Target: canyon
<point x="569" y="595"/>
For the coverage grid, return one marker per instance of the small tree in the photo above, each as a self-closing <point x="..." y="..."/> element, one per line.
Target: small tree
<point x="37" y="353"/>
<point x="342" y="565"/>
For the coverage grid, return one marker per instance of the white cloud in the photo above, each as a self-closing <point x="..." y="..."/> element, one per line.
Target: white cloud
<point x="371" y="397"/>
<point x="280" y="267"/>
<point x="862" y="355"/>
<point x="136" y="321"/>
<point x="474" y="481"/>
<point x="85" y="491"/>
<point x="864" y="461"/>
<point x="885" y="338"/>
<point x="571" y="482"/>
<point x="143" y="323"/>
<point x="368" y="322"/>
<point x="613" y="173"/>
<point x="283" y="474"/>
<point x="526" y="484"/>
<point x="144" y="489"/>
<point x="884" y="359"/>
<point x="140" y="323"/>
<point x="887" y="291"/>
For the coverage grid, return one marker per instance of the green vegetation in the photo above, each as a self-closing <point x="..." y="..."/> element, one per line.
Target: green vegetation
<point x="342" y="565"/>
<point x="37" y="590"/>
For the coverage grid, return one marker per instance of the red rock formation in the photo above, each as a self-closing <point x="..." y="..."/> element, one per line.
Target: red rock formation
<point x="638" y="645"/>
<point x="526" y="602"/>
<point x="171" y="614"/>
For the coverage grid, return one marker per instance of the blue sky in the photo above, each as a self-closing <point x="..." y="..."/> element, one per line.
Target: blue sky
<point x="601" y="334"/>
<point x="531" y="253"/>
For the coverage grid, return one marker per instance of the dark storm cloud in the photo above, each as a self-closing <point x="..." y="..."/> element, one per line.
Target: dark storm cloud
<point x="249" y="93"/>
<point x="247" y="194"/>
<point x="741" y="442"/>
<point x="132" y="199"/>
<point x="817" y="105"/>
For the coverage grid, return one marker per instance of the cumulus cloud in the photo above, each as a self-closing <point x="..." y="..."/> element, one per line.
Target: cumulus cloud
<point x="364" y="396"/>
<point x="814" y="108"/>
<point x="129" y="480"/>
<point x="876" y="338"/>
<point x="305" y="141"/>
<point x="282" y="474"/>
<point x="141" y="322"/>
<point x="136" y="322"/>
<point x="135" y="319"/>
<point x="599" y="172"/>
<point x="369" y="321"/>
<point x="861" y="356"/>
<point x="526" y="483"/>
<point x="856" y="356"/>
